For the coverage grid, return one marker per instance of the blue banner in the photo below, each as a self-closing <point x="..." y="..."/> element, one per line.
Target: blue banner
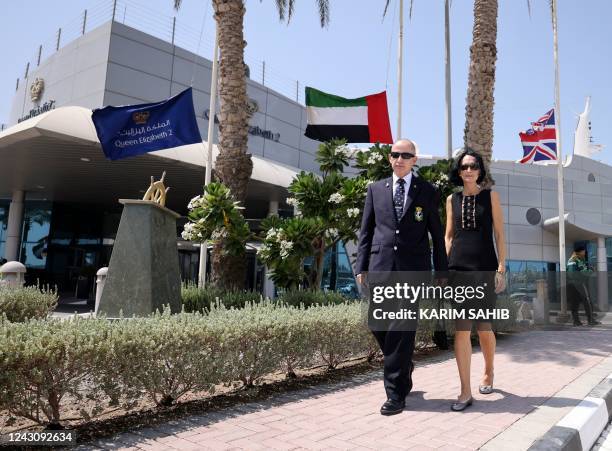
<point x="131" y="130"/>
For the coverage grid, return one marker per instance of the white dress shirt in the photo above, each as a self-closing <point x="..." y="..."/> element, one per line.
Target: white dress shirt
<point x="408" y="180"/>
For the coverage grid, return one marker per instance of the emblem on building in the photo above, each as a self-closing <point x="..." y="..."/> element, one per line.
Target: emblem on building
<point x="140" y="117"/>
<point x="252" y="107"/>
<point x="36" y="89"/>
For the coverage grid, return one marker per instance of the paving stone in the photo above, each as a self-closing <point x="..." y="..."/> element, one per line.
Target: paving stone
<point x="536" y="381"/>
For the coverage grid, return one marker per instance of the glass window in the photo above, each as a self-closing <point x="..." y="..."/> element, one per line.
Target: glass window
<point x="4" y="210"/>
<point x="522" y="277"/>
<point x="337" y="271"/>
<point x="35" y="233"/>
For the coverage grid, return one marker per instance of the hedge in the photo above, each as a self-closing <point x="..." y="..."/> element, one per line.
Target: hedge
<point x="197" y="299"/>
<point x="21" y="303"/>
<point x="45" y="365"/>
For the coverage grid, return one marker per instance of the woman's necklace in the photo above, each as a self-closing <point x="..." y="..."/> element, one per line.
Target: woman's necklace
<point x="468" y="210"/>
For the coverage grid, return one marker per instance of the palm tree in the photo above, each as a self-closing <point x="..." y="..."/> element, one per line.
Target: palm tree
<point x="233" y="165"/>
<point x="478" y="133"/>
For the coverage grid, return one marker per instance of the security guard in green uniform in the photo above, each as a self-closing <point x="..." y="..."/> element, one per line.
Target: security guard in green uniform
<point x="577" y="291"/>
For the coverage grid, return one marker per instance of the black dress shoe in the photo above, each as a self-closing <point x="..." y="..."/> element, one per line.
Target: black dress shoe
<point x="392" y="407"/>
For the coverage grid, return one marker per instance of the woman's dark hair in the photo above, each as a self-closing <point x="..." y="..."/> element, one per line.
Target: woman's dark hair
<point x="454" y="177"/>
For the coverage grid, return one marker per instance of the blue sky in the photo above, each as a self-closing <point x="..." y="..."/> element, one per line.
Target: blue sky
<point x="356" y="55"/>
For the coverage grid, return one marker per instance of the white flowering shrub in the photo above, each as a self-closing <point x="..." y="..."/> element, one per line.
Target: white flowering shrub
<point x="286" y="243"/>
<point x="438" y="175"/>
<point x="215" y="217"/>
<point x="329" y="211"/>
<point x="373" y="164"/>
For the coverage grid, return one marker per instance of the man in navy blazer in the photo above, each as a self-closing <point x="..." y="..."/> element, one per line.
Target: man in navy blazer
<point x="399" y="215"/>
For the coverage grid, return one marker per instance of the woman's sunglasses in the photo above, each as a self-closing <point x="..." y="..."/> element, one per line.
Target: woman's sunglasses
<point x="472" y="166"/>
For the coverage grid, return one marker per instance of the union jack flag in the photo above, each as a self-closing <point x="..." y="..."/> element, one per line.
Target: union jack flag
<point x="540" y="141"/>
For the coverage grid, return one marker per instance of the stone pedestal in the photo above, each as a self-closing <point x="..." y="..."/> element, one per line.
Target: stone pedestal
<point x="541" y="305"/>
<point x="143" y="274"/>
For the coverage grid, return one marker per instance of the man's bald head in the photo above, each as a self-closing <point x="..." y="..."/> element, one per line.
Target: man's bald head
<point x="404" y="145"/>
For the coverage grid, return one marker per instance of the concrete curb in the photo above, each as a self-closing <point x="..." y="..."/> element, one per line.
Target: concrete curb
<point x="580" y="428"/>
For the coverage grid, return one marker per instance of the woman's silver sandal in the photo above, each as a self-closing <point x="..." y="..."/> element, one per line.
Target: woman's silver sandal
<point x="459" y="406"/>
<point x="485" y="389"/>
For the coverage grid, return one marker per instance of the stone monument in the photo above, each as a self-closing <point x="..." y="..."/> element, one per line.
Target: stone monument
<point x="143" y="274"/>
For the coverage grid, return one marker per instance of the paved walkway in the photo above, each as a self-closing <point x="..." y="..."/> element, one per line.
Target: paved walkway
<point x="531" y="368"/>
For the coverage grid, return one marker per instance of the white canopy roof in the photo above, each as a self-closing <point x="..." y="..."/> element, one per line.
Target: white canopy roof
<point x="58" y="155"/>
<point x="74" y="123"/>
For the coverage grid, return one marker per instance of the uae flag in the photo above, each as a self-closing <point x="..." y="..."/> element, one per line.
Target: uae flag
<point x="361" y="120"/>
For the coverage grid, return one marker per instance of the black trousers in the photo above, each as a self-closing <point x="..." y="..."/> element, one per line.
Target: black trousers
<point x="576" y="295"/>
<point x="397" y="347"/>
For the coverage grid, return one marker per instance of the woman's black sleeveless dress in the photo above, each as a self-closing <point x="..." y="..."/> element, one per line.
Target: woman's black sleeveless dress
<point x="473" y="247"/>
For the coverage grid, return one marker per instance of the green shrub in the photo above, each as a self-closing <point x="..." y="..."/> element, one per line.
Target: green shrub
<point x="197" y="299"/>
<point x="44" y="361"/>
<point x="21" y="303"/>
<point x="251" y="339"/>
<point x="45" y="364"/>
<point x="308" y="298"/>
<point x="164" y="355"/>
<point x="340" y="332"/>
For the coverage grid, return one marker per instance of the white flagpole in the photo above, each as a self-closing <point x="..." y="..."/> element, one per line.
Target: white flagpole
<point x="449" y="122"/>
<point x="400" y="50"/>
<point x="562" y="266"/>
<point x="209" y="151"/>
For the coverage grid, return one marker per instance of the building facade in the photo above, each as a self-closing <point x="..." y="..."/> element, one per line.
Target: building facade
<point x="58" y="194"/>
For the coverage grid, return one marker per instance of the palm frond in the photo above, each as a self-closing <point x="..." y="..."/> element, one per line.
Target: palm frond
<point x="281" y="6"/>
<point x="323" y="12"/>
<point x="290" y="8"/>
<point x="386" y="7"/>
<point x="177" y="4"/>
<point x="529" y="8"/>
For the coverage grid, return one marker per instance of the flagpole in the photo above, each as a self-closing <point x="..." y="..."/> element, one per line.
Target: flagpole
<point x="449" y="122"/>
<point x="400" y="48"/>
<point x="209" y="150"/>
<point x="563" y="317"/>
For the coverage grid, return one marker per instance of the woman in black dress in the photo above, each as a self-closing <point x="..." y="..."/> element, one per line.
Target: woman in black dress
<point x="473" y="217"/>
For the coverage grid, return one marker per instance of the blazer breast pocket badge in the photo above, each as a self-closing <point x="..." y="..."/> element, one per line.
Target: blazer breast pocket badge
<point x="418" y="214"/>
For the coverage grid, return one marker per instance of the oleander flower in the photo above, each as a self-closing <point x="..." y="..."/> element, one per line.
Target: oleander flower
<point x="285" y="248"/>
<point x="271" y="235"/>
<point x="352" y="212"/>
<point x="336" y="198"/>
<point x="195" y="202"/>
